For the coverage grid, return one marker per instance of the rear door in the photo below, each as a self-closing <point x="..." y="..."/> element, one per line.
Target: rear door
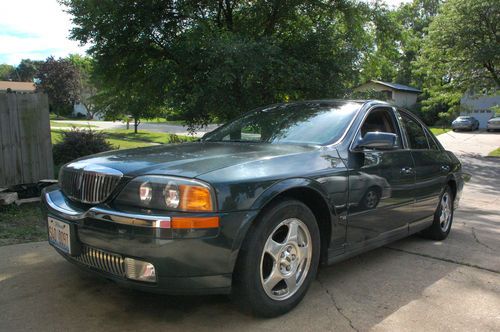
<point x="380" y="185"/>
<point x="432" y="166"/>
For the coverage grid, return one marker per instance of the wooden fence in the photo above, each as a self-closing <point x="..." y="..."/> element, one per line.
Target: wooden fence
<point x="25" y="145"/>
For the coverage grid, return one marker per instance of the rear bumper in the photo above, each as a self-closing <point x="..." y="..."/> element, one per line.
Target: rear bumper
<point x="462" y="126"/>
<point x="493" y="126"/>
<point x="186" y="262"/>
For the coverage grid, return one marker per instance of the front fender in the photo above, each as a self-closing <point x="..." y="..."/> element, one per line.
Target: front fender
<point x="272" y="193"/>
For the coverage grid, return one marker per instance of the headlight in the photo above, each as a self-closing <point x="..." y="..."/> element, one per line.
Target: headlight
<point x="167" y="193"/>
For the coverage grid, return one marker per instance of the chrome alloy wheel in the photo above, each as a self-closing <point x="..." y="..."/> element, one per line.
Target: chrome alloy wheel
<point x="446" y="212"/>
<point x="286" y="259"/>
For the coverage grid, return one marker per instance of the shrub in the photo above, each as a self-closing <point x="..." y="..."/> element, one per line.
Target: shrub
<point x="78" y="143"/>
<point x="174" y="138"/>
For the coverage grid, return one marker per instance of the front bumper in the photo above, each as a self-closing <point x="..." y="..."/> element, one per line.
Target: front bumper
<point x="186" y="261"/>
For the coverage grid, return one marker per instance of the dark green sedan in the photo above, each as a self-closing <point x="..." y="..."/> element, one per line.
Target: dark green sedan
<point x="255" y="206"/>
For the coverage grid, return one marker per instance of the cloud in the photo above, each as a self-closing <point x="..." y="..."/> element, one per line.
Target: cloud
<point x="34" y="29"/>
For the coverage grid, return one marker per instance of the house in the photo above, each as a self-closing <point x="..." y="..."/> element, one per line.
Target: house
<point x="80" y="111"/>
<point x="479" y="106"/>
<point x="23" y="87"/>
<point x="398" y="94"/>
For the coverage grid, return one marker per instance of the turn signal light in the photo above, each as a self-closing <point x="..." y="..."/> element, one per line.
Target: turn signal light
<point x="194" y="222"/>
<point x="195" y="198"/>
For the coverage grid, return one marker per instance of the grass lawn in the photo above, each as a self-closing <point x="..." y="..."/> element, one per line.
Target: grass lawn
<point x="438" y="131"/>
<point x="126" y="139"/>
<point x="20" y="224"/>
<point x="494" y="153"/>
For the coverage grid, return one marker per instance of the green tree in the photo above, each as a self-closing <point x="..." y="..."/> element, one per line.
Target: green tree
<point x="88" y="85"/>
<point x="27" y="70"/>
<point x="60" y="80"/>
<point x="6" y="72"/>
<point x="216" y="59"/>
<point x="461" y="51"/>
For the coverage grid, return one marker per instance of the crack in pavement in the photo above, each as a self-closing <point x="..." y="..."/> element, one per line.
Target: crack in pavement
<point x="340" y="311"/>
<point x="444" y="260"/>
<point x="478" y="241"/>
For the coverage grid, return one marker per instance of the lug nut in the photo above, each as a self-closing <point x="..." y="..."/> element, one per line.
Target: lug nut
<point x="288" y="268"/>
<point x="293" y="257"/>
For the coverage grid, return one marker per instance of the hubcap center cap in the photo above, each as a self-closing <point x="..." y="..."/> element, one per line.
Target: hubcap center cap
<point x="288" y="260"/>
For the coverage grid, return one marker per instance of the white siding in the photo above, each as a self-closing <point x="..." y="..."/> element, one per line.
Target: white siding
<point x="479" y="107"/>
<point x="404" y="99"/>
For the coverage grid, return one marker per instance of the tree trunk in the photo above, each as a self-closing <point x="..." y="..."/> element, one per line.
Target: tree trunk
<point x="136" y="124"/>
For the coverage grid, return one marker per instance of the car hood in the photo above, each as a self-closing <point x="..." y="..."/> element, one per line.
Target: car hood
<point x="189" y="159"/>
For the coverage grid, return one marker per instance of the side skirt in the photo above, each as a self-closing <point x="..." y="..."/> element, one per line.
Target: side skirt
<point x="414" y="227"/>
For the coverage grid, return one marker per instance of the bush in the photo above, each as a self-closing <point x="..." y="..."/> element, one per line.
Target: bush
<point x="78" y="143"/>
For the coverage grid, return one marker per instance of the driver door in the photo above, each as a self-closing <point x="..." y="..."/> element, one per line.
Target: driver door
<point x="381" y="185"/>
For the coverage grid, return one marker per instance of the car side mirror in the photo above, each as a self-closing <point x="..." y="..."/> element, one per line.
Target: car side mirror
<point x="377" y="140"/>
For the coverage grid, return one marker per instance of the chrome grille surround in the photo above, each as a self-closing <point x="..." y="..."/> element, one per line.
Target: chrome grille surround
<point x="102" y="260"/>
<point x="87" y="183"/>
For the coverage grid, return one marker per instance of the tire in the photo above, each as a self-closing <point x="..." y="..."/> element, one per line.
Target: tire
<point x="267" y="257"/>
<point x="370" y="199"/>
<point x="454" y="129"/>
<point x="441" y="225"/>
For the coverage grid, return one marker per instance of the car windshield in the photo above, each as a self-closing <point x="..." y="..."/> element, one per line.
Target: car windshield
<point x="301" y="123"/>
<point x="464" y="118"/>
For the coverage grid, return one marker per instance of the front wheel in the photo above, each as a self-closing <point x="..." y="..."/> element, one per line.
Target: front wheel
<point x="443" y="217"/>
<point x="278" y="260"/>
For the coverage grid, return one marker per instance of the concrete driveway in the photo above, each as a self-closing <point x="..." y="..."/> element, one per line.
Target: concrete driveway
<point x="412" y="285"/>
<point x="470" y="143"/>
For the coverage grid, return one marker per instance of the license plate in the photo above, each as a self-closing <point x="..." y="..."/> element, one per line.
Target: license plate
<point x="59" y="234"/>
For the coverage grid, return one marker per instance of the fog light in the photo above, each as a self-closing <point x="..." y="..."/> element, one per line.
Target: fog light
<point x="139" y="270"/>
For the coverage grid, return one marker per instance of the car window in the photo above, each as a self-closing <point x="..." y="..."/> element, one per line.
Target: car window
<point x="381" y="120"/>
<point x="415" y="133"/>
<point x="432" y="144"/>
<point x="300" y="123"/>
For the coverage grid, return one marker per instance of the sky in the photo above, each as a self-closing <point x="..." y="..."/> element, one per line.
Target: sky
<point x="36" y="29"/>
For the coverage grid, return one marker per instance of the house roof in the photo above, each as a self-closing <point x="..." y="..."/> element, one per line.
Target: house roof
<point x="399" y="87"/>
<point x="17" y="86"/>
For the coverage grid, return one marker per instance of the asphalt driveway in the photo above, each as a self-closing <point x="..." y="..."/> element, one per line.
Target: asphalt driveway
<point x="412" y="285"/>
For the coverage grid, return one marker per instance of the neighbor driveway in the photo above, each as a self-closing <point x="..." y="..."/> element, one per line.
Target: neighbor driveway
<point x="470" y="143"/>
<point x="412" y="285"/>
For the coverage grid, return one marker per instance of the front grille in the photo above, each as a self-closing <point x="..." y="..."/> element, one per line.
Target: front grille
<point x="91" y="185"/>
<point x="102" y="260"/>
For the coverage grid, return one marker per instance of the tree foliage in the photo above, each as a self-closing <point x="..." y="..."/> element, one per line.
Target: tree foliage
<point x="460" y="52"/>
<point x="60" y="80"/>
<point x="88" y="86"/>
<point x="216" y="59"/>
<point x="6" y="72"/>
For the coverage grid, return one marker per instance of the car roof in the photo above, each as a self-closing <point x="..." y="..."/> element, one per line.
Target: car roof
<point x="361" y="102"/>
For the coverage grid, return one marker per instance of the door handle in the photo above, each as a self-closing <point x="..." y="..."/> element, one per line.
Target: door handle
<point x="445" y="168"/>
<point x="406" y="171"/>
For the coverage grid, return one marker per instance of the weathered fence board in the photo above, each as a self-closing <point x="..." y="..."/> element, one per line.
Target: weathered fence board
<point x="26" y="149"/>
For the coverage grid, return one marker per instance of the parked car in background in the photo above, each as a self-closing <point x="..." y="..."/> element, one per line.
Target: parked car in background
<point x="465" y="123"/>
<point x="493" y="124"/>
<point x="256" y="205"/>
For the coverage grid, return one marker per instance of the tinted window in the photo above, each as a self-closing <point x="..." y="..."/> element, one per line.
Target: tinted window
<point x="301" y="123"/>
<point x="432" y="144"/>
<point x="380" y="120"/>
<point x="415" y="133"/>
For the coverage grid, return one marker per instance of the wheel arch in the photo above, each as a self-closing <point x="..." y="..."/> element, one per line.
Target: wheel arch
<point x="304" y="190"/>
